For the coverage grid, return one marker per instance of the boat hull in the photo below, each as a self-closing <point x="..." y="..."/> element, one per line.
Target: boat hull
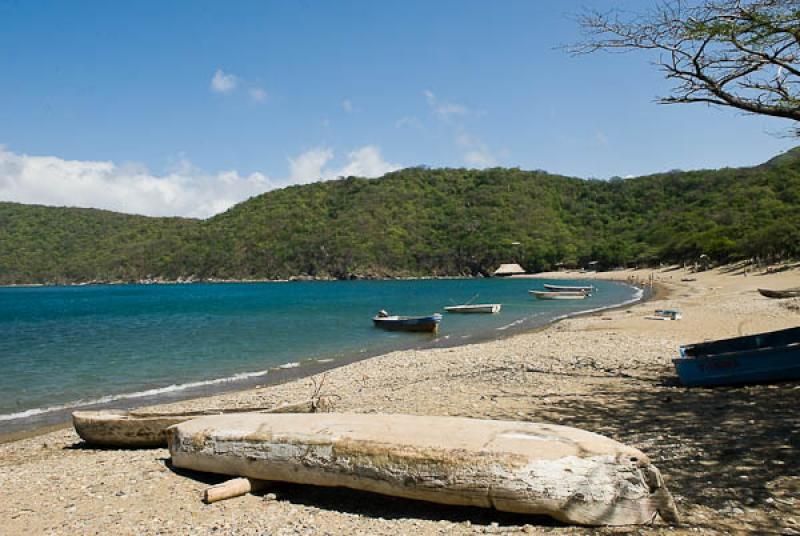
<point x="120" y="429"/>
<point x="129" y="429"/>
<point x="572" y="475"/>
<point x="757" y="366"/>
<point x="780" y="294"/>
<point x="490" y="308"/>
<point x="764" y="357"/>
<point x="552" y="295"/>
<point x="420" y="323"/>
<point x="567" y="288"/>
<point x="747" y="343"/>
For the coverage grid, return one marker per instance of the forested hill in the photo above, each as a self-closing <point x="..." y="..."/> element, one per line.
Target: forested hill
<point x="420" y="221"/>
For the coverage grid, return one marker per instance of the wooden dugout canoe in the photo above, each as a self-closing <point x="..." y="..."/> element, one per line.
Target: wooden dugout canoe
<point x="572" y="475"/>
<point x="780" y="294"/>
<point x="141" y="429"/>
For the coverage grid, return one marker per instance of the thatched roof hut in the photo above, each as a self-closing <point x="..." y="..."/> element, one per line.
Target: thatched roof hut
<point x="509" y="269"/>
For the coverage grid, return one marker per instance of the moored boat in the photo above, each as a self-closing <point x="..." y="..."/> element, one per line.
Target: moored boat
<point x="780" y="294"/>
<point x="553" y="295"/>
<point x="407" y="323"/>
<point x="568" y="288"/>
<point x="474" y="308"/>
<point x="764" y="357"/>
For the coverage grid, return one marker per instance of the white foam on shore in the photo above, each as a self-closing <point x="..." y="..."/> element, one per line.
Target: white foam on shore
<point x="512" y="324"/>
<point x="293" y="364"/>
<point x="636" y="297"/>
<point x="138" y="394"/>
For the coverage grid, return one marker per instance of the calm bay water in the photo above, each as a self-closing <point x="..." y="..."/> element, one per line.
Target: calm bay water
<point x="70" y="346"/>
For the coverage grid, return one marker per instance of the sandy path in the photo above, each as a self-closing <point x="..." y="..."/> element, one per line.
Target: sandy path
<point x="729" y="455"/>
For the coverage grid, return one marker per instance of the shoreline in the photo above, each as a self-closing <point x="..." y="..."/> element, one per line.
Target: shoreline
<point x="726" y="454"/>
<point x="57" y="417"/>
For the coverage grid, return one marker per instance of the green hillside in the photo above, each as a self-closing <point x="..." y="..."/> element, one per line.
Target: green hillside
<point x="420" y="221"/>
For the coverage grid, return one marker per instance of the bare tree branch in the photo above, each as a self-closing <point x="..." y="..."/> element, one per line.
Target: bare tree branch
<point x="743" y="54"/>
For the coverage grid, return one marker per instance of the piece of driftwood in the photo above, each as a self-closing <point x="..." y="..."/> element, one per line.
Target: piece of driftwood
<point x="142" y="429"/>
<point x="234" y="487"/>
<point x="572" y="475"/>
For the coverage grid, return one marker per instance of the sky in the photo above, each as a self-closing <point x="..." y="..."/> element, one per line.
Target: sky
<point x="188" y="107"/>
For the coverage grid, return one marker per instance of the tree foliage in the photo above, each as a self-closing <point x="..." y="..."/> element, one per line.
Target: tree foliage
<point x="421" y="221"/>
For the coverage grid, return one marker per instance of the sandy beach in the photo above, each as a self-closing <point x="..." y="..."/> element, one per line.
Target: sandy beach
<point x="729" y="455"/>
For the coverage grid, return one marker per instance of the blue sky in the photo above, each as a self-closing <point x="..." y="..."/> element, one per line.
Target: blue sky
<point x="216" y="101"/>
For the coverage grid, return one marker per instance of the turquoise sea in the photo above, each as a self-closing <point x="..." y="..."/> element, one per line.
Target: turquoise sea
<point x="125" y="345"/>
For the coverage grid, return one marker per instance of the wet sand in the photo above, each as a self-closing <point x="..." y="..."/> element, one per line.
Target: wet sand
<point x="727" y="454"/>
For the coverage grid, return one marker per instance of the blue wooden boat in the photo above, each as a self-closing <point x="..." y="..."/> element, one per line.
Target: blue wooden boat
<point x="407" y="323"/>
<point x="771" y="356"/>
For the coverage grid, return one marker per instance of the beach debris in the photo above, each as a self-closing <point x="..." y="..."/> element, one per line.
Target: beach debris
<point x="569" y="474"/>
<point x="236" y="487"/>
<point x="321" y="401"/>
<point x="792" y="305"/>
<point x="666" y="314"/>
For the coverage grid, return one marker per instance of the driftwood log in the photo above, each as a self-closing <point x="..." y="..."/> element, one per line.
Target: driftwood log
<point x="232" y="488"/>
<point x="572" y="475"/>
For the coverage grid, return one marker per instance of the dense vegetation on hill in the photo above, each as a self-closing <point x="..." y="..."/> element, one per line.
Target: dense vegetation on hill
<point x="420" y="221"/>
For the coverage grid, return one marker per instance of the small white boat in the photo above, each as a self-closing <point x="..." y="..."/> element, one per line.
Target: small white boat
<point x="568" y="288"/>
<point x="552" y="295"/>
<point x="474" y="308"/>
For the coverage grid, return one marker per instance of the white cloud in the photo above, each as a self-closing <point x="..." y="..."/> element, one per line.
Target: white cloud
<point x="183" y="190"/>
<point x="480" y="158"/>
<point x="307" y="167"/>
<point x="442" y="109"/>
<point x="365" y="161"/>
<point x="408" y="121"/>
<point x="257" y="94"/>
<point x="347" y="106"/>
<point x="477" y="153"/>
<point x="223" y="82"/>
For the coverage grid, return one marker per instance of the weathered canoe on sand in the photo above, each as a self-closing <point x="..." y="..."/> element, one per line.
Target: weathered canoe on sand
<point x="142" y="429"/>
<point x="569" y="474"/>
<point x="780" y="294"/>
